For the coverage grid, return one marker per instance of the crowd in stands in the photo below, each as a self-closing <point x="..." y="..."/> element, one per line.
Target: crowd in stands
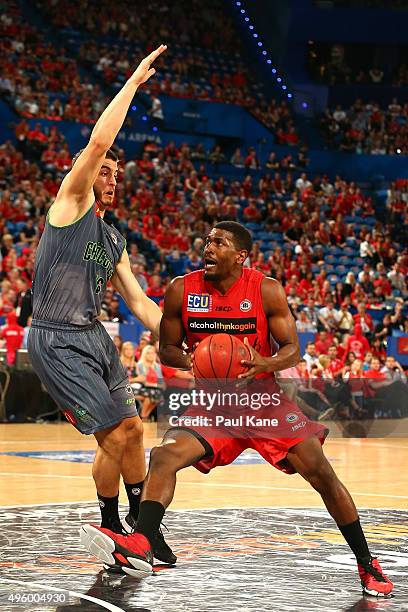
<point x="189" y="22"/>
<point x="339" y="65"/>
<point x="319" y="237"/>
<point x="340" y="261"/>
<point x="39" y="79"/>
<point x="367" y="128"/>
<point x="42" y="79"/>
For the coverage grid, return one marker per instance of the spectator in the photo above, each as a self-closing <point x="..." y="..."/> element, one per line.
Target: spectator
<point x="335" y="365"/>
<point x="346" y="321"/>
<point x="310" y="355"/>
<point x="151" y="391"/>
<point x="393" y="370"/>
<point x="397" y="318"/>
<point x="357" y="343"/>
<point x="304" y="324"/>
<point x="118" y="342"/>
<point x="156" y="112"/>
<point x="13" y="335"/>
<point x="128" y="360"/>
<point x="323" y="342"/>
<point x="329" y="316"/>
<point x="364" y="319"/>
<point x="397" y="279"/>
<point x="312" y="313"/>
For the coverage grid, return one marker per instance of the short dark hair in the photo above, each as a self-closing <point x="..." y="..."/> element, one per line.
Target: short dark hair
<point x="242" y="237"/>
<point x="110" y="154"/>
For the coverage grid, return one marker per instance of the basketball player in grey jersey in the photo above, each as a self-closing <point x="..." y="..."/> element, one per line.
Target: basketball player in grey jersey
<point x="69" y="348"/>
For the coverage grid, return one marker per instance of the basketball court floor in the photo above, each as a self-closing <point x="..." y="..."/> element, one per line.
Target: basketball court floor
<point x="248" y="538"/>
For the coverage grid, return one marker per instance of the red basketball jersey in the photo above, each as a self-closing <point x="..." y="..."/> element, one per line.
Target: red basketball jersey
<point x="239" y="312"/>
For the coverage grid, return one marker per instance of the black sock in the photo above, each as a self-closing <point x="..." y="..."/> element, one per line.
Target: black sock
<point x="110" y="512"/>
<point x="134" y="491"/>
<point x="355" y="538"/>
<point x="150" y="517"/>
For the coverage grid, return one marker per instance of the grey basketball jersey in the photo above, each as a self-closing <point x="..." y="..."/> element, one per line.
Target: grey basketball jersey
<point x="72" y="266"/>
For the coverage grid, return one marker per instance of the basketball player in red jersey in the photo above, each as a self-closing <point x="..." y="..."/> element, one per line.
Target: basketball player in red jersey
<point x="226" y="295"/>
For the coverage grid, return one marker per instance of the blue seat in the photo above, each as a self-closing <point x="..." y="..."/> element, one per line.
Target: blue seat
<point x="253" y="226"/>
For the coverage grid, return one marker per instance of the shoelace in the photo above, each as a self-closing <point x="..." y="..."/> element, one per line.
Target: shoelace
<point x="368" y="566"/>
<point x="161" y="534"/>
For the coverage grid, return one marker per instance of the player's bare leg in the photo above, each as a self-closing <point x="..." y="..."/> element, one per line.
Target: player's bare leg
<point x="107" y="468"/>
<point x="133" y="469"/>
<point x="309" y="461"/>
<point x="178" y="449"/>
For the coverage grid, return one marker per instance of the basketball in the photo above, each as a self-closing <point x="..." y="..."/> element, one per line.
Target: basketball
<point x="219" y="356"/>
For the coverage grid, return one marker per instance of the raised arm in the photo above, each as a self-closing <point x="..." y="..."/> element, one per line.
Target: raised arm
<point x="142" y="307"/>
<point x="282" y="328"/>
<point x="172" y="332"/>
<point x="76" y="194"/>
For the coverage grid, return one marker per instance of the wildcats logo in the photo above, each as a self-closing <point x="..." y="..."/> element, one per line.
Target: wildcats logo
<point x="199" y="302"/>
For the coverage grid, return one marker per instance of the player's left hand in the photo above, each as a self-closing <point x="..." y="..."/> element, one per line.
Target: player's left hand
<point x="256" y="365"/>
<point x="143" y="72"/>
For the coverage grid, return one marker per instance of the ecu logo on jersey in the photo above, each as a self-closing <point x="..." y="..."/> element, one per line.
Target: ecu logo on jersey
<point x="199" y="302"/>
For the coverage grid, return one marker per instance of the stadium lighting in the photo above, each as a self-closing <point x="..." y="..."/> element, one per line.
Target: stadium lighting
<point x="134" y="108"/>
<point x="260" y="44"/>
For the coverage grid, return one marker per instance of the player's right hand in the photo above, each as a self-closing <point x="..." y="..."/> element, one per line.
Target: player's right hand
<point x="143" y="72"/>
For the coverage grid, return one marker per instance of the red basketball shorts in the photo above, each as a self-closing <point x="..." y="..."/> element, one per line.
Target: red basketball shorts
<point x="271" y="431"/>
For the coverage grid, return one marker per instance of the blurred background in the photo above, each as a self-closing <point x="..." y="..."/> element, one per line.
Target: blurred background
<point x="290" y="117"/>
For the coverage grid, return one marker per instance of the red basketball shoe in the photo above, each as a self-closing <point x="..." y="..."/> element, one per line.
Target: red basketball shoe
<point x="132" y="553"/>
<point x="373" y="579"/>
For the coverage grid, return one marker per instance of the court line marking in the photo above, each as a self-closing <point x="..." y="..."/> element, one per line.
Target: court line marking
<point x="356" y="442"/>
<point x="214" y="484"/>
<point x="235" y="507"/>
<point x="270" y="488"/>
<point x="43" y="475"/>
<point x="100" y="602"/>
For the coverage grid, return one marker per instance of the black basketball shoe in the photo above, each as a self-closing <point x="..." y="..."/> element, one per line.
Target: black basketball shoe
<point x="161" y="550"/>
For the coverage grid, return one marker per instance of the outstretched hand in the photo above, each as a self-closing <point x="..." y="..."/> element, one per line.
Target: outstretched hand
<point x="256" y="365"/>
<point x="143" y="72"/>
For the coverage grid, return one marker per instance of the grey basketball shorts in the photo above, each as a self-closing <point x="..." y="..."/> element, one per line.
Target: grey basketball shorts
<point x="81" y="370"/>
